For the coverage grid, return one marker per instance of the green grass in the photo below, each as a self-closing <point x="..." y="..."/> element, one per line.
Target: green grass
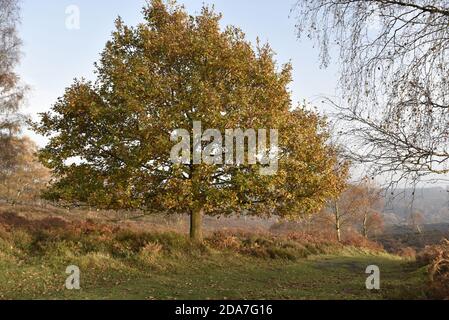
<point x="125" y="264"/>
<point x="216" y="276"/>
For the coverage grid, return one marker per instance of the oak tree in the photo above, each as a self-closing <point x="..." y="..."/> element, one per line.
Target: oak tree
<point x="110" y="140"/>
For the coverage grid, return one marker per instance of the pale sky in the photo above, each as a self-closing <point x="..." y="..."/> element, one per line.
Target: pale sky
<point x="54" y="55"/>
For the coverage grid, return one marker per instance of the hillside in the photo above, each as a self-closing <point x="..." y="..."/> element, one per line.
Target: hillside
<point x="398" y="236"/>
<point x="431" y="203"/>
<point x="119" y="261"/>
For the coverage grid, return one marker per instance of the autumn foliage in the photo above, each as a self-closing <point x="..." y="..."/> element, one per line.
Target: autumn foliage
<point x="109" y="141"/>
<point x="437" y="259"/>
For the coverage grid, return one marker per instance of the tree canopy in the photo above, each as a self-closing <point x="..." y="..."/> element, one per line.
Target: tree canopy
<point x="110" y="140"/>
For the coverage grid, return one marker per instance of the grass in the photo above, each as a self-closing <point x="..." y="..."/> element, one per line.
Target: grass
<point x="220" y="277"/>
<point x="125" y="264"/>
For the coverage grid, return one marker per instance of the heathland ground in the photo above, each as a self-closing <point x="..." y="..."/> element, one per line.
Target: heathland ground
<point x="147" y="258"/>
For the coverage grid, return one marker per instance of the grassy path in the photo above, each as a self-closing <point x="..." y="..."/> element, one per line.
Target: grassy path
<point x="222" y="277"/>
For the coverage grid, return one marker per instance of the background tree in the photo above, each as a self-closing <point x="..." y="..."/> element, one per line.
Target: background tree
<point x="342" y="211"/>
<point x="357" y="207"/>
<point x="11" y="92"/>
<point x="394" y="64"/>
<point x="368" y="201"/>
<point x="110" y="140"/>
<point x="25" y="180"/>
<point x="335" y="213"/>
<point x="375" y="224"/>
<point x="415" y="221"/>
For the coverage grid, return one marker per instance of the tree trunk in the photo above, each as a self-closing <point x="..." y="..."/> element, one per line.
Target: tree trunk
<point x="337" y="221"/>
<point x="365" y="227"/>
<point x="337" y="228"/>
<point x="196" y="225"/>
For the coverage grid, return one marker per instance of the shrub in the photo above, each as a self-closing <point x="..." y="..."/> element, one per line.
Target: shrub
<point x="407" y="252"/>
<point x="291" y="246"/>
<point x="437" y="259"/>
<point x="97" y="242"/>
<point x="99" y="261"/>
<point x="357" y="240"/>
<point x="150" y="252"/>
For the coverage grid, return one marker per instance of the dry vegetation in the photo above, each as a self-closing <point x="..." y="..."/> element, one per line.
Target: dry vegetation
<point x="437" y="259"/>
<point x="253" y="238"/>
<point x="138" y="252"/>
<point x="37" y="244"/>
